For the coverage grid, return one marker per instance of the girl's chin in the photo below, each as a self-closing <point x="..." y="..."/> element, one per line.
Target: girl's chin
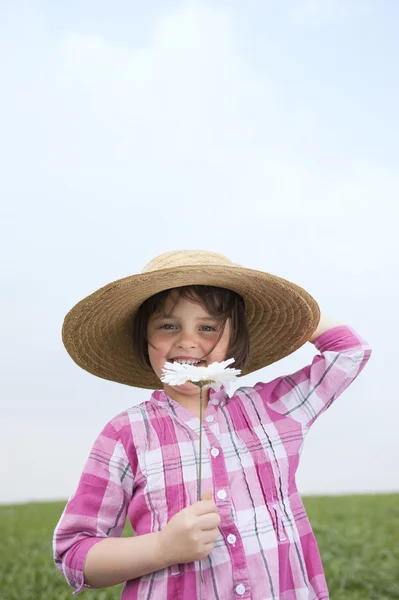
<point x="184" y="389"/>
<point x="186" y="386"/>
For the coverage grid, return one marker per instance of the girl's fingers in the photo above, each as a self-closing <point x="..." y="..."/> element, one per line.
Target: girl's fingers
<point x="209" y="547"/>
<point x="209" y="521"/>
<point x="210" y="537"/>
<point x="204" y="507"/>
<point x="207" y="495"/>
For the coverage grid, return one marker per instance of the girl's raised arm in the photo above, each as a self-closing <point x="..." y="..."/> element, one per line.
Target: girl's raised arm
<point x="304" y="395"/>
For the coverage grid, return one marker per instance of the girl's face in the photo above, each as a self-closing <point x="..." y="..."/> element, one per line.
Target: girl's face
<point x="185" y="332"/>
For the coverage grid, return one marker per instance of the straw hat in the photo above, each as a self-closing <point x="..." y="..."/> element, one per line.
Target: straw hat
<point x="97" y="332"/>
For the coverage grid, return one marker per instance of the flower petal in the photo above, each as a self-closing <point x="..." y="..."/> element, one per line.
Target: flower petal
<point x="217" y="373"/>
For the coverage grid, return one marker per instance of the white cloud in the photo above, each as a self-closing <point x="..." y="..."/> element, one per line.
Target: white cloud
<point x="185" y="91"/>
<point x="187" y="104"/>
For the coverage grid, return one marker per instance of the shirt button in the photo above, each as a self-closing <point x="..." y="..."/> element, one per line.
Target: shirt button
<point x="214" y="401"/>
<point x="215" y="452"/>
<point x="209" y="418"/>
<point x="221" y="494"/>
<point x="231" y="538"/>
<point x="240" y="589"/>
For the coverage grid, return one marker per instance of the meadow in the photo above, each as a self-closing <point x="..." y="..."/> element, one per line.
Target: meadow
<point x="358" y="537"/>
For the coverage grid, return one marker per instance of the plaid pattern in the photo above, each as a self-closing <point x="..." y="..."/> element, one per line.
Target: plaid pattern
<point x="144" y="464"/>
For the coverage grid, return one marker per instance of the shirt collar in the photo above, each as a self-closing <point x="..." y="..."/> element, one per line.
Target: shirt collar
<point x="161" y="397"/>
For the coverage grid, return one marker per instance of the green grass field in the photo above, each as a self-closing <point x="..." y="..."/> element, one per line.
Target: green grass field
<point x="358" y="538"/>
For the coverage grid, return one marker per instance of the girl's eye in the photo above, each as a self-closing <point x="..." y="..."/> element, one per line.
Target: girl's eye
<point x="173" y="327"/>
<point x="207" y="328"/>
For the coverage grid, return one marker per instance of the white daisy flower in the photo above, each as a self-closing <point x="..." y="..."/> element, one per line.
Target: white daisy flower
<point x="215" y="375"/>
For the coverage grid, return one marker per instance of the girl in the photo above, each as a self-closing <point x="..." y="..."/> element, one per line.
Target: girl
<point x="250" y="530"/>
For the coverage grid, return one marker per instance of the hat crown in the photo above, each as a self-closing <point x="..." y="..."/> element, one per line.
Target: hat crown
<point x="184" y="258"/>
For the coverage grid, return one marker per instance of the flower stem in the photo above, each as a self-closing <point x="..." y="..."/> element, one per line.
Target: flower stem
<point x="199" y="488"/>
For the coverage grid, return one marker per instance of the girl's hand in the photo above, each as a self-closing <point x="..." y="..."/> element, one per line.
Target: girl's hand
<point x="325" y="324"/>
<point x="191" y="534"/>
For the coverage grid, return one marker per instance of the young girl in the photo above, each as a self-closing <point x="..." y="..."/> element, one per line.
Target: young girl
<point x="250" y="530"/>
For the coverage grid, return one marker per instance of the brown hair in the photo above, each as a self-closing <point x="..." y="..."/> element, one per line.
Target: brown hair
<point x="219" y="302"/>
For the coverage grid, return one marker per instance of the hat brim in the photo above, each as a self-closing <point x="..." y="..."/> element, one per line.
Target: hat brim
<point x="98" y="332"/>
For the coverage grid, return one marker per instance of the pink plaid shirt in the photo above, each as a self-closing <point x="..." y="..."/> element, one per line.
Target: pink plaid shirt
<point x="144" y="465"/>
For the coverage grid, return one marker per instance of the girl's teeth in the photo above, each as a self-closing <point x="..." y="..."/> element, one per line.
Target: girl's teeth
<point x="189" y="362"/>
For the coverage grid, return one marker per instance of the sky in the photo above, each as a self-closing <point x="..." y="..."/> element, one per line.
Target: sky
<point x="265" y="131"/>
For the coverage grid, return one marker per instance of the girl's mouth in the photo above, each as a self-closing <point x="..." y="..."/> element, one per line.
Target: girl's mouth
<point x="194" y="362"/>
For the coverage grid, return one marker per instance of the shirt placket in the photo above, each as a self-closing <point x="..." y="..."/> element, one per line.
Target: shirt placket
<point x="222" y="496"/>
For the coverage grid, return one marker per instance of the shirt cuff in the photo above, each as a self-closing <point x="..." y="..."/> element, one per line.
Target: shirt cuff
<point x="75" y="561"/>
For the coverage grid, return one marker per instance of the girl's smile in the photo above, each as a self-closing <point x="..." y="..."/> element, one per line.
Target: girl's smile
<point x="188" y="360"/>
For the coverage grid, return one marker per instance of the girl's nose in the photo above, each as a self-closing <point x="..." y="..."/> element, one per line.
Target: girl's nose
<point x="186" y="340"/>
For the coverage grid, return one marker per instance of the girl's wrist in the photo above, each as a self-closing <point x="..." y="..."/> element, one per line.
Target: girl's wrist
<point x="162" y="551"/>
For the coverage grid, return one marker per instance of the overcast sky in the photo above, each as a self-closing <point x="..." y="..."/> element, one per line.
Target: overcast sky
<point x="266" y="131"/>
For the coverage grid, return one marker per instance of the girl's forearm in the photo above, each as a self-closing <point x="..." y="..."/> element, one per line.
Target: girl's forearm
<point x="325" y="324"/>
<point x="116" y="560"/>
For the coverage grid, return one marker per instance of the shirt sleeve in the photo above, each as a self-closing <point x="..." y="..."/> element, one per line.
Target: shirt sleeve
<point x="98" y="508"/>
<point x="306" y="394"/>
